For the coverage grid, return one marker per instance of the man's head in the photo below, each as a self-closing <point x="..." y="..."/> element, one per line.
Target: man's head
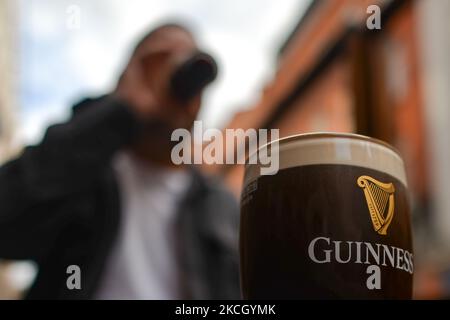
<point x="163" y="34"/>
<point x="145" y="83"/>
<point x="158" y="54"/>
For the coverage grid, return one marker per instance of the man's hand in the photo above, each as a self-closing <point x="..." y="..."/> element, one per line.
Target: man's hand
<point x="134" y="89"/>
<point x="144" y="85"/>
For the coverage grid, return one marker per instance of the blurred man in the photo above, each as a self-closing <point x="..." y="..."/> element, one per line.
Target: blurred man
<point x="101" y="193"/>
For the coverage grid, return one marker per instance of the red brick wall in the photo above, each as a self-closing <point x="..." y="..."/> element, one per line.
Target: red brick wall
<point x="400" y="87"/>
<point x="327" y="105"/>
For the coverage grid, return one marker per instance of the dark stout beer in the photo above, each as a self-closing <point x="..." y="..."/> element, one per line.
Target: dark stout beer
<point x="333" y="222"/>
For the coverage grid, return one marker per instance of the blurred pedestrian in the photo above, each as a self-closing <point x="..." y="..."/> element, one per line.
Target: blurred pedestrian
<point x="100" y="192"/>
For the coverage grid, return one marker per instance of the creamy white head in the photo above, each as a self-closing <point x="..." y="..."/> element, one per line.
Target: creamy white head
<point x="334" y="148"/>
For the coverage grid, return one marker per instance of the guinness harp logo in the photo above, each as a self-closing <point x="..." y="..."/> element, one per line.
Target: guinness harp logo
<point x="380" y="201"/>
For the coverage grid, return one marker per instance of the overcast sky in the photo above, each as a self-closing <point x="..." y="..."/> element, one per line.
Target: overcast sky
<point x="59" y="64"/>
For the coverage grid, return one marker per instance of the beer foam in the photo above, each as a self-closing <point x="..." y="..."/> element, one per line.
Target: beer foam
<point x="333" y="148"/>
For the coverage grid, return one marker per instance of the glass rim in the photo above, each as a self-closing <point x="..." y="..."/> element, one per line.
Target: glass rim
<point x="331" y="134"/>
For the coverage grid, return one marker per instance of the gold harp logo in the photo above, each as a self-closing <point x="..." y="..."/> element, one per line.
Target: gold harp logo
<point x="380" y="201"/>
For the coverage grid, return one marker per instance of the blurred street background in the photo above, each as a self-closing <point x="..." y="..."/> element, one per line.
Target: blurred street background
<point x="297" y="65"/>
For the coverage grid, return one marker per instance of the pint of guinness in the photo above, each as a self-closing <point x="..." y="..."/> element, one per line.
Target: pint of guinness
<point x="332" y="223"/>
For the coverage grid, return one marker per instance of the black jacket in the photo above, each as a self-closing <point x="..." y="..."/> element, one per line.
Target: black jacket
<point x="59" y="206"/>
